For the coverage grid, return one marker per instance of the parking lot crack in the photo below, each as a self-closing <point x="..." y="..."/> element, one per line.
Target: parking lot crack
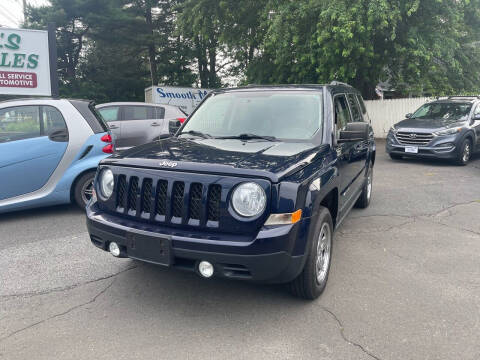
<point x="347" y="340"/>
<point x="60" y="314"/>
<point x="66" y="288"/>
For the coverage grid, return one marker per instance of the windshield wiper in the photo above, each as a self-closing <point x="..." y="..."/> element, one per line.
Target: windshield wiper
<point x="249" y="137"/>
<point x="197" y="133"/>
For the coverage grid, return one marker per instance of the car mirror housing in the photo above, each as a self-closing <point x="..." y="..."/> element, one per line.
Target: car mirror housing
<point x="409" y="115"/>
<point x="357" y="131"/>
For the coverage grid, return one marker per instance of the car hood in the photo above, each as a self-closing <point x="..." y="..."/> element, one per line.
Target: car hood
<point x="427" y="125"/>
<point x="271" y="160"/>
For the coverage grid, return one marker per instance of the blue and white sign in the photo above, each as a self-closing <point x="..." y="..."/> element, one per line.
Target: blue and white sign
<point x="185" y="98"/>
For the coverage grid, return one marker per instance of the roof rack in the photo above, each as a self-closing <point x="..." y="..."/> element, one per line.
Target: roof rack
<point x="463" y="97"/>
<point x="335" y="82"/>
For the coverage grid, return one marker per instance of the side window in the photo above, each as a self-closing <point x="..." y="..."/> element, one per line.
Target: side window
<point x="356" y="114"/>
<point x="52" y="120"/>
<point x="342" y="113"/>
<point x="138" y="112"/>
<point x="477" y="111"/>
<point x="159" y="112"/>
<point x="20" y="122"/>
<point x="110" y="113"/>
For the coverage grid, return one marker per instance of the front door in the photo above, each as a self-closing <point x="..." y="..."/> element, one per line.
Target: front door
<point x="33" y="140"/>
<point x="476" y="125"/>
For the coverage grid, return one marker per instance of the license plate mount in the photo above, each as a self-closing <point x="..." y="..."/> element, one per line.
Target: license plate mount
<point x="153" y="249"/>
<point x="411" y="149"/>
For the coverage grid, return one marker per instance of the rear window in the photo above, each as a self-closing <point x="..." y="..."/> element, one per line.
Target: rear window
<point x="91" y="115"/>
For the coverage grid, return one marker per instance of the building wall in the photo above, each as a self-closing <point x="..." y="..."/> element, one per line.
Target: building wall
<point x="385" y="113"/>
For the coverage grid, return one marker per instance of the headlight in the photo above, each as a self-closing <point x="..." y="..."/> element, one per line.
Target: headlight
<point x="448" y="131"/>
<point x="249" y="199"/>
<point x="106" y="183"/>
<point x="392" y="129"/>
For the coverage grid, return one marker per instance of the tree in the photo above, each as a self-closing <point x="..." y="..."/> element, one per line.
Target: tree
<point x="418" y="46"/>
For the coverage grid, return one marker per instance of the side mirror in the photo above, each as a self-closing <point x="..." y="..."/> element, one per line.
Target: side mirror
<point x="164" y="136"/>
<point x="357" y="131"/>
<point x="409" y="115"/>
<point x="476" y="117"/>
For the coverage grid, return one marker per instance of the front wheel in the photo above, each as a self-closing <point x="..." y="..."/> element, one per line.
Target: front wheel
<point x="83" y="190"/>
<point x="312" y="280"/>
<point x="464" y="153"/>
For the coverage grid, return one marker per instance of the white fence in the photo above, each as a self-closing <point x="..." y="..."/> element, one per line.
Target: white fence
<point x="385" y="113"/>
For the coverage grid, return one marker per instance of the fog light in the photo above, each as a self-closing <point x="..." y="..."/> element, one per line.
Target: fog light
<point x="205" y="269"/>
<point x="114" y="249"/>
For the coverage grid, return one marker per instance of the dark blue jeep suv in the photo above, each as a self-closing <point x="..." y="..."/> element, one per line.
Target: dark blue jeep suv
<point x="251" y="187"/>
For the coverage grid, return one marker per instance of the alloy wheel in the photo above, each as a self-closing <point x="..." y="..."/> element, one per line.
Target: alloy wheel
<point x="87" y="191"/>
<point x="324" y="247"/>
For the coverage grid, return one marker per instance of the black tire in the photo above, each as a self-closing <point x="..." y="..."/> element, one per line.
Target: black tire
<point x="464" y="152"/>
<point x="364" y="199"/>
<point x="395" y="156"/>
<point x="80" y="186"/>
<point x="306" y="285"/>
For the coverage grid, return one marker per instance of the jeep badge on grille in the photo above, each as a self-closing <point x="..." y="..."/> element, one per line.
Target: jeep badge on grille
<point x="168" y="163"/>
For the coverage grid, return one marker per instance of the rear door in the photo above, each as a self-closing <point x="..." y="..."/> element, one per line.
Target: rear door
<point x="112" y="116"/>
<point x="139" y="125"/>
<point x="359" y="150"/>
<point x="33" y="140"/>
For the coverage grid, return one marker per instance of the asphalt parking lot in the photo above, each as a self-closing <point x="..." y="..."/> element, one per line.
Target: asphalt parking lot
<point x="404" y="284"/>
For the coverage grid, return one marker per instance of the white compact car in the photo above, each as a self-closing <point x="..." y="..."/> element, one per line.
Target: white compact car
<point x="136" y="123"/>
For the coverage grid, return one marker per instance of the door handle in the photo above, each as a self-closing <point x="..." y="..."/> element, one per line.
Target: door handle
<point x="113" y="126"/>
<point x="59" y="135"/>
<point x="154" y="124"/>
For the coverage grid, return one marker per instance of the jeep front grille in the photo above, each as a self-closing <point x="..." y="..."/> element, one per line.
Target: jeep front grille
<point x="414" y="138"/>
<point x="195" y="201"/>
<point x="214" y="197"/>
<point x="169" y="202"/>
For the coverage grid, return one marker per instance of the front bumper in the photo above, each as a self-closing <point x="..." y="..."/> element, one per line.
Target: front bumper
<point x="275" y="255"/>
<point x="442" y="147"/>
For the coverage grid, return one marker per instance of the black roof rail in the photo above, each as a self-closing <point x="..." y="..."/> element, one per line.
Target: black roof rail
<point x="335" y="82"/>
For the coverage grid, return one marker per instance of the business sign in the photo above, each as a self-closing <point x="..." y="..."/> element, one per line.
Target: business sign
<point x="185" y="98"/>
<point x="24" y="62"/>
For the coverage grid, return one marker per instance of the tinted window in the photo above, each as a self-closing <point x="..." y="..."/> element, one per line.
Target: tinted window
<point x="342" y="113"/>
<point x="443" y="111"/>
<point x="159" y="112"/>
<point x="355" y="109"/>
<point x="110" y="113"/>
<point x="52" y="120"/>
<point x="290" y="115"/>
<point x="20" y="122"/>
<point x="138" y="112"/>
<point x="90" y="114"/>
<point x="362" y="104"/>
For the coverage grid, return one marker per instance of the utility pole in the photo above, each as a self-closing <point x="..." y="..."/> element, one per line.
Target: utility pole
<point x="24" y="11"/>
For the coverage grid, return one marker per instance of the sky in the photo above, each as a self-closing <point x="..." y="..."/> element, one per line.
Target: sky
<point x="11" y="11"/>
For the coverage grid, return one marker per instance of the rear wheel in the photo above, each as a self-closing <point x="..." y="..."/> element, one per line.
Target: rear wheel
<point x="83" y="189"/>
<point x="395" y="156"/>
<point x="312" y="280"/>
<point x="464" y="153"/>
<point x="364" y="199"/>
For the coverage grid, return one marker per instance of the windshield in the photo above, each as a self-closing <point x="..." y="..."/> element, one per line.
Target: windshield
<point x="444" y="111"/>
<point x="289" y="115"/>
